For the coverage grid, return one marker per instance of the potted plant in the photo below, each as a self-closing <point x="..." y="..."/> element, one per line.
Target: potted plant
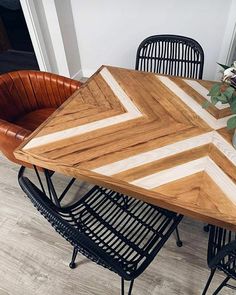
<point x="225" y="92"/>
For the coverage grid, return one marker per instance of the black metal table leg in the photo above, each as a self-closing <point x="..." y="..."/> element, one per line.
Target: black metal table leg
<point x="66" y="189"/>
<point x="39" y="179"/>
<point x="50" y="186"/>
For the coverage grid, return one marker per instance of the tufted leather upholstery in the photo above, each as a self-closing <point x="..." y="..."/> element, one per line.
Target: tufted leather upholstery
<point x="27" y="98"/>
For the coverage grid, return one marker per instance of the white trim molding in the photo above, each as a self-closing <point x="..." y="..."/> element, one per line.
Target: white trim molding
<point x="77" y="76"/>
<point x="54" y="29"/>
<point x="43" y="23"/>
<point x="36" y="35"/>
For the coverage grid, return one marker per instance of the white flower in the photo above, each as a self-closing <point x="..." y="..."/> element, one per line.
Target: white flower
<point x="230" y="72"/>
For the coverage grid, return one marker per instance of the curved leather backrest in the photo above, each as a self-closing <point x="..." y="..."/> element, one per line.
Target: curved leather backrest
<point x="25" y="91"/>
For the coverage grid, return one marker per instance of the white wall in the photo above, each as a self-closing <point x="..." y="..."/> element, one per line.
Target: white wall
<point x="229" y="40"/>
<point x="109" y="31"/>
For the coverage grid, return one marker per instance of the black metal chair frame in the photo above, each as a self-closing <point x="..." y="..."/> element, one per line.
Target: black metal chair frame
<point x="221" y="256"/>
<point x="57" y="199"/>
<point x="120" y="233"/>
<point x="49" y="183"/>
<point x="171" y="55"/>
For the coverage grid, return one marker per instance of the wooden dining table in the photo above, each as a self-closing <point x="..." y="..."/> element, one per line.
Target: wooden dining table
<point x="147" y="136"/>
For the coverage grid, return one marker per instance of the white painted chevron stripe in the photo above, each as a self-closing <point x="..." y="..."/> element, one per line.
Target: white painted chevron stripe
<point x="119" y="92"/>
<point x="154" y="155"/>
<point x="169" y="150"/>
<point x="189" y="101"/>
<point x="221" y="179"/>
<point x="203" y="92"/>
<point x="132" y="113"/>
<point x="175" y="173"/>
<point x="227" y="149"/>
<point x="168" y="175"/>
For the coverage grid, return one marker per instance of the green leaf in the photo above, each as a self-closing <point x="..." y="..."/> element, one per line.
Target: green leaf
<point x="225" y="67"/>
<point x="233" y="106"/>
<point x="214" y="100"/>
<point x="222" y="98"/>
<point x="231" y="123"/>
<point x="215" y="90"/>
<point x="229" y="92"/>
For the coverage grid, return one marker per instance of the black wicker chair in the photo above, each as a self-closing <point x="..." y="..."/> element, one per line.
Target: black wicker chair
<point x="221" y="256"/>
<point x="171" y="55"/>
<point x="118" y="232"/>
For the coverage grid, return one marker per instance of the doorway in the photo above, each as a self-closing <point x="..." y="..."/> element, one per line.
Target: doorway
<point x="16" y="50"/>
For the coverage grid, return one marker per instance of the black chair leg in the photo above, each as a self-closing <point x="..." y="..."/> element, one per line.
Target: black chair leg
<point x="123" y="287"/>
<point x="209" y="281"/>
<point x="72" y="263"/>
<point x="131" y="287"/>
<point x="221" y="286"/>
<point x="51" y="188"/>
<point x="179" y="243"/>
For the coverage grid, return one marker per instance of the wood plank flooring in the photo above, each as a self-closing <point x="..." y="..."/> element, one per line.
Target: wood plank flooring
<point x="34" y="258"/>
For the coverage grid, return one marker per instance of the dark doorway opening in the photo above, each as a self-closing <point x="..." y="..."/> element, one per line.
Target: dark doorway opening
<point x="16" y="50"/>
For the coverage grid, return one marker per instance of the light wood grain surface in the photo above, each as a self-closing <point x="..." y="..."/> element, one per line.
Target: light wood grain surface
<point x="148" y="136"/>
<point x="34" y="258"/>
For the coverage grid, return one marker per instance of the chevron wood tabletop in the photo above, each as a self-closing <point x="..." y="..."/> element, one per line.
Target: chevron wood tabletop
<point x="147" y="136"/>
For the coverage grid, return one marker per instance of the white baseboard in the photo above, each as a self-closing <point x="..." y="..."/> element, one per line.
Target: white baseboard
<point x="86" y="73"/>
<point x="78" y="75"/>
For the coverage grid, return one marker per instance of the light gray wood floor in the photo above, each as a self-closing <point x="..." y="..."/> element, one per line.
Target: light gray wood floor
<point x="34" y="258"/>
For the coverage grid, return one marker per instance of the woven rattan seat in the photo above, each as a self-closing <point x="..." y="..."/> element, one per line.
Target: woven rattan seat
<point x="121" y="233"/>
